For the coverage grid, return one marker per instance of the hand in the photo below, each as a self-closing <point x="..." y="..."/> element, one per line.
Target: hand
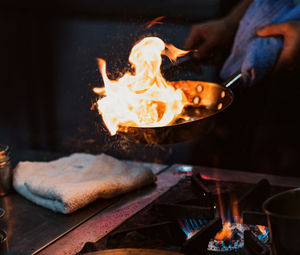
<point x="212" y="41"/>
<point x="290" y="55"/>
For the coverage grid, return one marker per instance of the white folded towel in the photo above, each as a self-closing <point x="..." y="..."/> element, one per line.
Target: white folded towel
<point x="69" y="183"/>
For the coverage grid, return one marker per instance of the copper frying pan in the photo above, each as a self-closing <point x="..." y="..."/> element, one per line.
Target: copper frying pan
<point x="207" y="100"/>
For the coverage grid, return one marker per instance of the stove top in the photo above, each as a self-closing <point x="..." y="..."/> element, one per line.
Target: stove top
<point x="200" y="215"/>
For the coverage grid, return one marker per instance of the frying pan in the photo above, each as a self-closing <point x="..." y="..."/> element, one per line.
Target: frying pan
<point x="206" y="101"/>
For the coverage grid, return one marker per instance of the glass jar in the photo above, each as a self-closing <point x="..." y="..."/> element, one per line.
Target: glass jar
<point x="5" y="170"/>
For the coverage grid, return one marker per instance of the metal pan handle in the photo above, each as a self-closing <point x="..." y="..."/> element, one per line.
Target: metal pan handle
<point x="182" y="64"/>
<point x="234" y="80"/>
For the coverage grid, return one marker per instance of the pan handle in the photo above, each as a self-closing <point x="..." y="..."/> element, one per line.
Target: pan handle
<point x="182" y="64"/>
<point x="234" y="80"/>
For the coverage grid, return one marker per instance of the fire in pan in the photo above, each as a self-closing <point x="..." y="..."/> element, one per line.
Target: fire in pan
<point x="206" y="100"/>
<point x="145" y="108"/>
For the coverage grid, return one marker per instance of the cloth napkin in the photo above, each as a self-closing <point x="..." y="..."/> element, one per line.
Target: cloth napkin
<point x="256" y="56"/>
<point x="70" y="183"/>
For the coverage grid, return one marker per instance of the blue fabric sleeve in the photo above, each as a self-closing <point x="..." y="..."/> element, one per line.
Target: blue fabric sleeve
<point x="256" y="56"/>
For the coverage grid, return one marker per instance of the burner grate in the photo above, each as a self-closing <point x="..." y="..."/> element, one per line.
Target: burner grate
<point x="187" y="218"/>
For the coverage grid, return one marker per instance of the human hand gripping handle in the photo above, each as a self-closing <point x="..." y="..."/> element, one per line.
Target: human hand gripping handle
<point x="289" y="57"/>
<point x="212" y="41"/>
<point x="209" y="43"/>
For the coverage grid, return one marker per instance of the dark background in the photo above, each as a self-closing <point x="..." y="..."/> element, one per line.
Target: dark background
<point x="48" y="68"/>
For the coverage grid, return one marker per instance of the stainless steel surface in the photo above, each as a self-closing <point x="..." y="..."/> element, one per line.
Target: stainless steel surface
<point x="5" y="170"/>
<point x="110" y="218"/>
<point x="31" y="228"/>
<point x="238" y="176"/>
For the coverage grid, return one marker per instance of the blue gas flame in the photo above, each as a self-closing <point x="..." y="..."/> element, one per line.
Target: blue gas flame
<point x="191" y="226"/>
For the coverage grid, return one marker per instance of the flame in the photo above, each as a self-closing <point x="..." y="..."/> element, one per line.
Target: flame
<point x="235" y="211"/>
<point x="225" y="233"/>
<point x="155" y="21"/>
<point x="262" y="229"/>
<point x="143" y="98"/>
<point x="264" y="233"/>
<point x="232" y="215"/>
<point x="173" y="53"/>
<point x="220" y="202"/>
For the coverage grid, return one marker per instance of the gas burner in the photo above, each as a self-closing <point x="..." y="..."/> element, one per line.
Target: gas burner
<point x="188" y="219"/>
<point x="230" y="238"/>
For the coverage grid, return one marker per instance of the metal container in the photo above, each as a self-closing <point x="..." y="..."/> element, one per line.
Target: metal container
<point x="3" y="241"/>
<point x="5" y="170"/>
<point x="283" y="212"/>
<point x="3" y="235"/>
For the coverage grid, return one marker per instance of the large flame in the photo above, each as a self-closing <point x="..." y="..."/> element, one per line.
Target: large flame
<point x="142" y="99"/>
<point x="231" y="220"/>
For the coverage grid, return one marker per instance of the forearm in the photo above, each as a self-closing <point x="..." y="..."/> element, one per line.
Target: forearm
<point x="214" y="38"/>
